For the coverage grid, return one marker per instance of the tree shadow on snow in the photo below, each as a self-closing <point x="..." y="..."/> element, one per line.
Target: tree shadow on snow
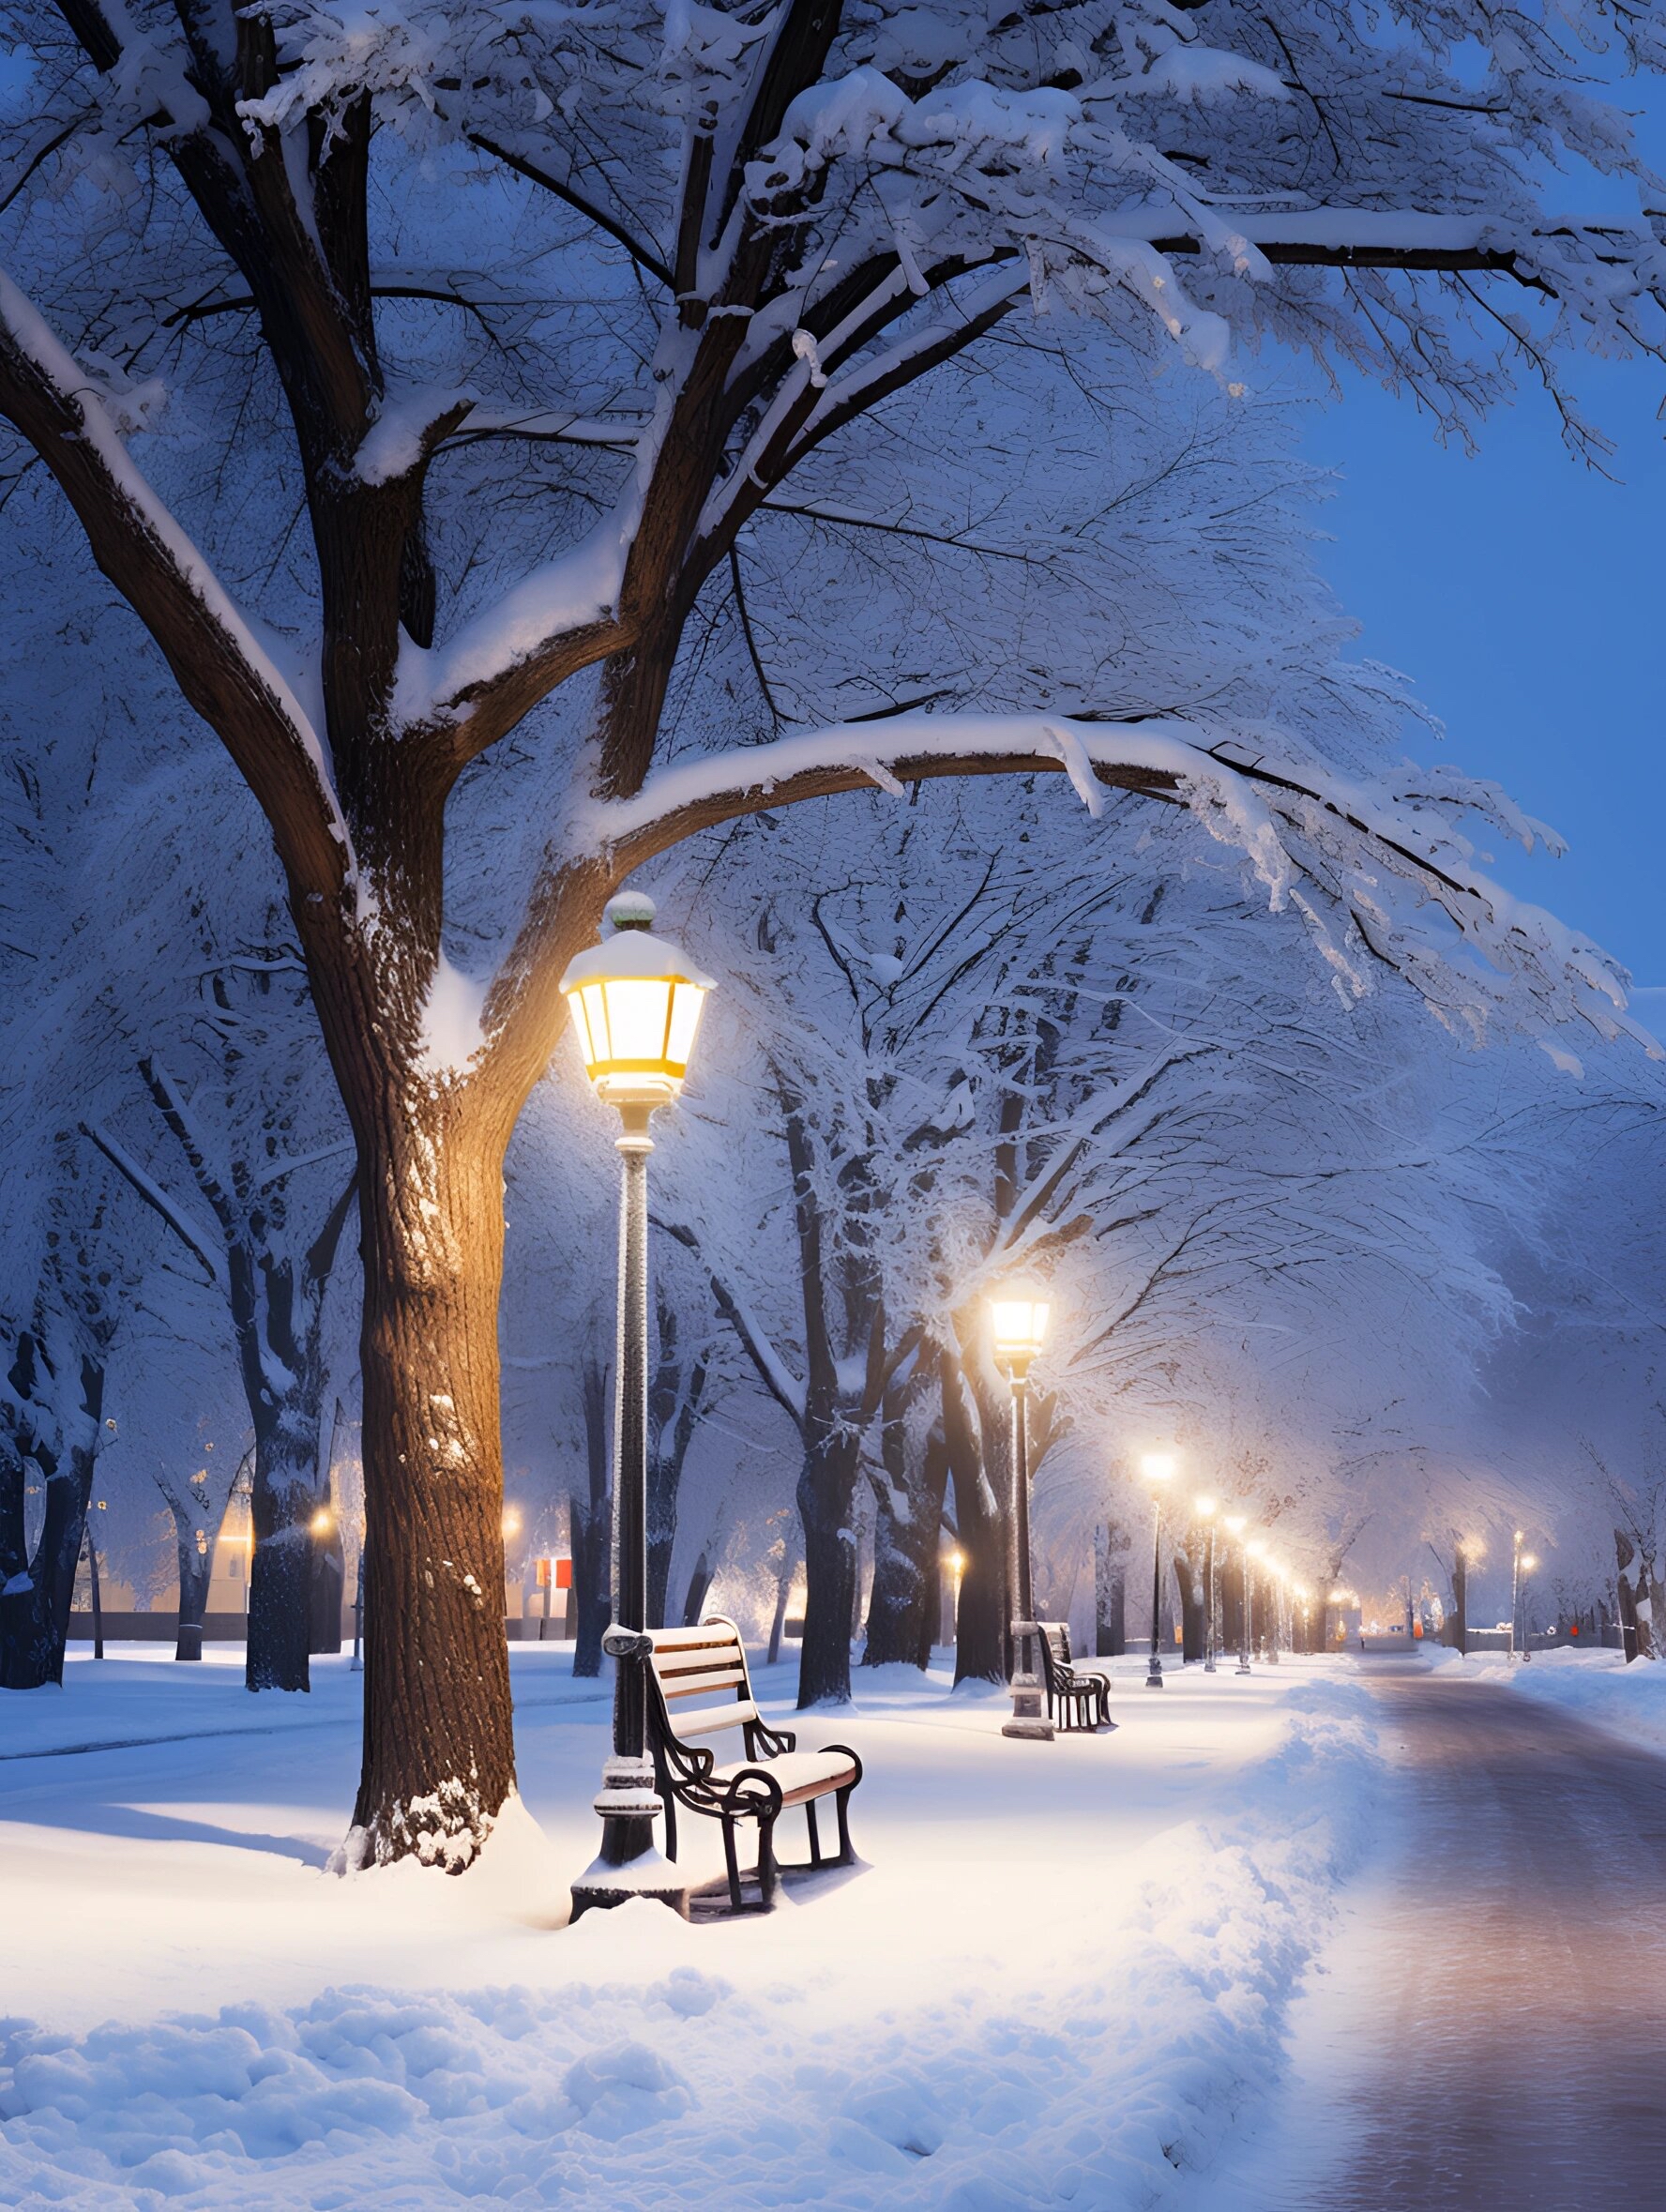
<point x="138" y="1825"/>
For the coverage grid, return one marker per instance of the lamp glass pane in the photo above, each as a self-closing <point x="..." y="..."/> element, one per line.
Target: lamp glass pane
<point x="594" y="997"/>
<point x="636" y="1008"/>
<point x="1020" y="1323"/>
<point x="687" y="1001"/>
<point x="581" y="1023"/>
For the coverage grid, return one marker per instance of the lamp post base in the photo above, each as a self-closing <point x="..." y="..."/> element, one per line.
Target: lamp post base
<point x="631" y="1864"/>
<point x="1210" y="1665"/>
<point x="1154" y="1673"/>
<point x="1029" y="1711"/>
<point x="1242" y="1667"/>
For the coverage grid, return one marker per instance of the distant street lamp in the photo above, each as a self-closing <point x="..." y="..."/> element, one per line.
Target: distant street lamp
<point x="635" y="1002"/>
<point x="1529" y="1561"/>
<point x="1303" y="1595"/>
<point x="1515" y="1591"/>
<point x="1157" y="1468"/>
<point x="1275" y="1568"/>
<point x="1236" y="1526"/>
<point x="1018" y="1324"/>
<point x="1204" y="1509"/>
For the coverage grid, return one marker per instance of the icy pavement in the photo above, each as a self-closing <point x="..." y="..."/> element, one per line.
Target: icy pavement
<point x="1060" y="1979"/>
<point x="1484" y="2034"/>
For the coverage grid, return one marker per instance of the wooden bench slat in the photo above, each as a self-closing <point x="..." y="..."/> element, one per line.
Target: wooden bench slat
<point x="710" y="1718"/>
<point x="677" y="1685"/>
<point x="685" y="1638"/>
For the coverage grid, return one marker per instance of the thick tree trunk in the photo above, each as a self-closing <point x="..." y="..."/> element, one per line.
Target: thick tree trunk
<point x="981" y="1522"/>
<point x="36" y="1602"/>
<point x="826" y="1500"/>
<point x="194" y="1568"/>
<point x="783" y="1591"/>
<point x="438" y="1750"/>
<point x="326" y="1582"/>
<point x="1110" y="1592"/>
<point x="1190" y="1580"/>
<point x="1635" y="1625"/>
<point x="700" y="1581"/>
<point x="590" y="1519"/>
<point x="908" y="1515"/>
<point x="281" y="1506"/>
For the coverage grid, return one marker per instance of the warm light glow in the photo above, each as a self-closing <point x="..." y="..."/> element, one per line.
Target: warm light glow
<point x="635" y="1002"/>
<point x="321" y="1522"/>
<point x="1528" y="1561"/>
<point x="511" y="1522"/>
<point x="1237" y="1522"/>
<point x="1205" y="1509"/>
<point x="1519" y="1533"/>
<point x="1258" y="1550"/>
<point x="1158" y="1466"/>
<point x="1019" y="1313"/>
<point x="958" y="1561"/>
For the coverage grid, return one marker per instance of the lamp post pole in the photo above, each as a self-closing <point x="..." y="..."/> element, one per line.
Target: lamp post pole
<point x="1515" y="1593"/>
<point x="1275" y="1632"/>
<point x="1528" y="1564"/>
<point x="1206" y="1509"/>
<point x="1029" y="1719"/>
<point x="1157" y="1468"/>
<point x="636" y="1005"/>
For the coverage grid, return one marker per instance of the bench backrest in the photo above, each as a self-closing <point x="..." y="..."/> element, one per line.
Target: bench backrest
<point x="1055" y="1644"/>
<point x="702" y="1677"/>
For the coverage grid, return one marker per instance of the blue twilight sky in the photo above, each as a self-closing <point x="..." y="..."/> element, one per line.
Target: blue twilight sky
<point x="1526" y="597"/>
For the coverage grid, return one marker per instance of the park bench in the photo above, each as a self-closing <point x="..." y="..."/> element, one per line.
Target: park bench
<point x="699" y="1687"/>
<point x="1078" y="1693"/>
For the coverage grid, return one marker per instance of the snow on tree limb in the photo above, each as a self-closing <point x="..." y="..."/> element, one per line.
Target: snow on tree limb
<point x="1288" y="819"/>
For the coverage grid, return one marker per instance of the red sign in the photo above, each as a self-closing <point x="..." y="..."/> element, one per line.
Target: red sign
<point x="561" y="1579"/>
<point x="564" y="1574"/>
<point x="1574" y="1630"/>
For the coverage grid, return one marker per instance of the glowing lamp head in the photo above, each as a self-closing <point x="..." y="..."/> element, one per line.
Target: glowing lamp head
<point x="1205" y="1509"/>
<point x="1528" y="1561"/>
<point x="511" y="1521"/>
<point x="1236" y="1523"/>
<point x="1519" y="1534"/>
<point x="635" y="1002"/>
<point x="1158" y="1466"/>
<point x="1258" y="1551"/>
<point x="321" y="1522"/>
<point x="1019" y="1313"/>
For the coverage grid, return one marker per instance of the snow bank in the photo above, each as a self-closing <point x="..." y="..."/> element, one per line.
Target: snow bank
<point x="1062" y="1979"/>
<point x="1598" y="1687"/>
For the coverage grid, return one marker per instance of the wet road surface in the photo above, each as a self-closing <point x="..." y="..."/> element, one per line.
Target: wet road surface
<point x="1495" y="2034"/>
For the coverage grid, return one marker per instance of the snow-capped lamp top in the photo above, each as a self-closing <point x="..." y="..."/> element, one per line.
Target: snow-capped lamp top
<point x="636" y="1001"/>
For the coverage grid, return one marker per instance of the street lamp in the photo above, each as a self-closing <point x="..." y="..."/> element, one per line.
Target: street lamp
<point x="1529" y="1561"/>
<point x="1157" y="1468"/>
<point x="1018" y="1324"/>
<point x="1515" y="1591"/>
<point x="635" y="1003"/>
<point x="1236" y="1526"/>
<point x="1204" y="1509"/>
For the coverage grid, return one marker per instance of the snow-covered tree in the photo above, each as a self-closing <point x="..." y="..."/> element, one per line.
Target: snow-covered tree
<point x="483" y="336"/>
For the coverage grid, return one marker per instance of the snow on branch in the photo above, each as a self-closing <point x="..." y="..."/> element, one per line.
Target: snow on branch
<point x="222" y="668"/>
<point x="1290" y="818"/>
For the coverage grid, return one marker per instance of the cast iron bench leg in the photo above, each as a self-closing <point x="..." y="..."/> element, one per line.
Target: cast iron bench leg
<point x="815" y="1841"/>
<point x="767" y="1873"/>
<point x="845" y="1854"/>
<point x="733" y="1864"/>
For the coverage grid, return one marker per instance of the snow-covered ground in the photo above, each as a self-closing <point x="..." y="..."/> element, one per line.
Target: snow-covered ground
<point x="1597" y="1686"/>
<point x="1061" y="1977"/>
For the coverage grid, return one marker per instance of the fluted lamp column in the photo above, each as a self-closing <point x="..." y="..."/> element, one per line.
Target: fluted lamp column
<point x="1019" y="1315"/>
<point x="635" y="1002"/>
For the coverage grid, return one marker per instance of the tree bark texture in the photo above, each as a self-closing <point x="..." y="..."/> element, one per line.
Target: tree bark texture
<point x="438" y="1747"/>
<point x="1192" y="1582"/>
<point x="826" y="1511"/>
<point x="38" y="1592"/>
<point x="1111" y="1547"/>
<point x="906" y="1598"/>
<point x="980" y="1523"/>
